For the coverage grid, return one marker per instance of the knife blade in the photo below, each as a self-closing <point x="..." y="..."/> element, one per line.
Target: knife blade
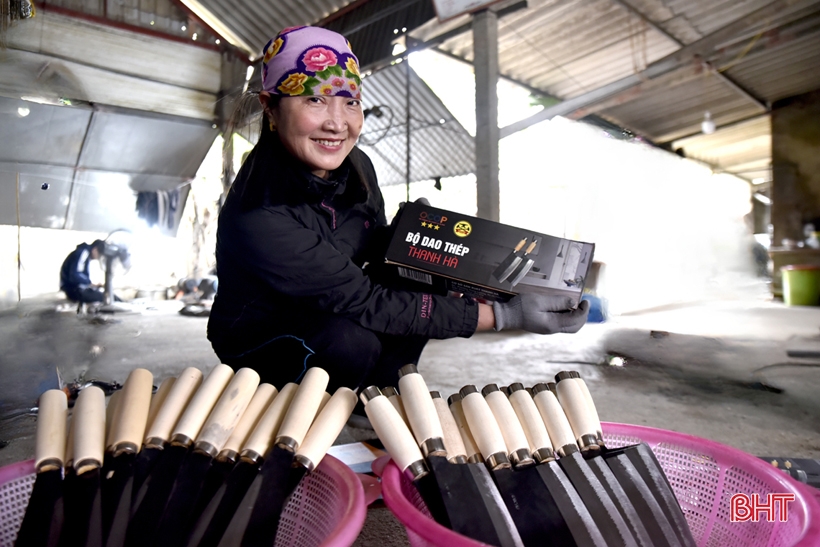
<point x="126" y="431"/>
<point x="524" y="267"/>
<point x="276" y="467"/>
<point x="574" y="403"/>
<point x="177" y="517"/>
<point x="507" y="266"/>
<point x="154" y="492"/>
<point x="571" y="462"/>
<point x="39" y="523"/>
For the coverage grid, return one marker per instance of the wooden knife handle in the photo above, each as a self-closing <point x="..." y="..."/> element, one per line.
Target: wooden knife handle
<point x="177" y="400"/>
<point x="470" y="446"/>
<point x="579" y="414"/>
<point x="227" y="412"/>
<point x="591" y="404"/>
<point x="560" y="431"/>
<point x="518" y="447"/>
<point x="158" y="399"/>
<point x="421" y="413"/>
<point x="110" y="413"/>
<point x="89" y="430"/>
<point x="261" y="400"/>
<point x="484" y="428"/>
<point x="326" y="427"/>
<point x="303" y="408"/>
<point x="52" y="413"/>
<point x="392" y="431"/>
<point x="131" y="413"/>
<point x="531" y="421"/>
<point x="395" y="400"/>
<point x="261" y="438"/>
<point x="456" y="452"/>
<point x="197" y="411"/>
<point x="325" y="399"/>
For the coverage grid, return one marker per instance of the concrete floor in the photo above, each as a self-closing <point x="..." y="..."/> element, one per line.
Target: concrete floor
<point x="699" y="369"/>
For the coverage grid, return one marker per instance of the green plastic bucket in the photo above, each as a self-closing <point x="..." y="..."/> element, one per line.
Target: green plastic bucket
<point x="801" y="285"/>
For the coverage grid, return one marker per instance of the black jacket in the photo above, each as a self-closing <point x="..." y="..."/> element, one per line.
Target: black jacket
<point x="74" y="272"/>
<point x="287" y="238"/>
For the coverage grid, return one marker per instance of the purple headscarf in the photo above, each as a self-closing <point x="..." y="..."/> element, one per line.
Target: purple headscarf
<point x="310" y="61"/>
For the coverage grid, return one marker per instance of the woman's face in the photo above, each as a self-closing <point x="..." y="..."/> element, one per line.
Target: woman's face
<point x="319" y="131"/>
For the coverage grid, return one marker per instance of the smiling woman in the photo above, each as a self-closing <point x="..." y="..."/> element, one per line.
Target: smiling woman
<point x="302" y="235"/>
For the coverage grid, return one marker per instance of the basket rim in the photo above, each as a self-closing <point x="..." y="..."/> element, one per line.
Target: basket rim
<point x="437" y="534"/>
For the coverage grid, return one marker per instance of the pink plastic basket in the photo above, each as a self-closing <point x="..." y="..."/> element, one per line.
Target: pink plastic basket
<point x="703" y="474"/>
<point x="326" y="510"/>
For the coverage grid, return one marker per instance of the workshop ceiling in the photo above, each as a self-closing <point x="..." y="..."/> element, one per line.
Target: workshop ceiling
<point x="654" y="67"/>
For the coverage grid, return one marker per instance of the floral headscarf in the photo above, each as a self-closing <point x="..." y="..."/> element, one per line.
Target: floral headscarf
<point x="310" y="61"/>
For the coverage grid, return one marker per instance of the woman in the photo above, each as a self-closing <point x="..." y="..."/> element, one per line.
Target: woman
<point x="302" y="227"/>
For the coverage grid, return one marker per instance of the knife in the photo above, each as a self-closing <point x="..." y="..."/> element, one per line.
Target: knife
<point x="470" y="447"/>
<point x="508" y="265"/>
<point x="39" y="523"/>
<point x="158" y="398"/>
<point x="214" y="520"/>
<point x="82" y="503"/>
<point x="495" y="427"/>
<point x="525" y="265"/>
<point x="597" y="500"/>
<point x="395" y="399"/>
<point x="126" y="431"/>
<point x="177" y="517"/>
<point x="162" y="424"/>
<point x="574" y="403"/>
<point x="154" y="492"/>
<point x="575" y="513"/>
<point x="273" y="474"/>
<point x="658" y="526"/>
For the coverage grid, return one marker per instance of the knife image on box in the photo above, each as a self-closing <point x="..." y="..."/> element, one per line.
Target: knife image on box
<point x="589" y="487"/>
<point x="525" y="265"/>
<point x="36" y="528"/>
<point x="643" y="480"/>
<point x="509" y="264"/>
<point x="502" y="441"/>
<point x="574" y="402"/>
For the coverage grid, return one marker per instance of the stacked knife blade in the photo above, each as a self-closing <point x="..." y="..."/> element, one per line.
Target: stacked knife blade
<point x="518" y="466"/>
<point x="205" y="461"/>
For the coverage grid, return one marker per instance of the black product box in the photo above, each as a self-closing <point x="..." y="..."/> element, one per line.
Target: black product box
<point x="456" y="253"/>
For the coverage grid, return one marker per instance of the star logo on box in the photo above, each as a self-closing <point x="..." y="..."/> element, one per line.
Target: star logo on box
<point x="430" y="225"/>
<point x="462" y="228"/>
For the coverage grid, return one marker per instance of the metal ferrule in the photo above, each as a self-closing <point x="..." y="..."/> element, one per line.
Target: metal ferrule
<point x="589" y="442"/>
<point x="124" y="448"/>
<point x="181" y="440"/>
<point x="529" y="390"/>
<point x="435" y="395"/>
<point x="551" y="386"/>
<point x="574" y="374"/>
<point x="204" y="447"/>
<point x="455" y="397"/>
<point x="521" y="458"/>
<point x="499" y="460"/>
<point x="563" y="375"/>
<point x="288" y="443"/>
<point x="155" y="442"/>
<point x="417" y="469"/>
<point x="539" y="387"/>
<point x="389" y="391"/>
<point x="467" y="390"/>
<point x="408" y="369"/>
<point x="600" y="437"/>
<point x="228" y="456"/>
<point x="489" y="388"/>
<point x="517" y="386"/>
<point x="86" y="465"/>
<point x="50" y="464"/>
<point x="304" y="461"/>
<point x="568" y="450"/>
<point x="543" y="455"/>
<point x="369" y="393"/>
<point x="251" y="456"/>
<point x="461" y="458"/>
<point x="475" y="458"/>
<point x="434" y="446"/>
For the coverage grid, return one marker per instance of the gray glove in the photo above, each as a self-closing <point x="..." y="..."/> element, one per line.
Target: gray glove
<point x="540" y="314"/>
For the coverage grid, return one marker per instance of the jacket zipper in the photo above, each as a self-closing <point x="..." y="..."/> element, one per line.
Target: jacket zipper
<point x="332" y="214"/>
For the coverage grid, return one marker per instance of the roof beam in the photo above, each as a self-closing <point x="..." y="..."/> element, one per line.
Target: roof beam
<point x="702" y="47"/>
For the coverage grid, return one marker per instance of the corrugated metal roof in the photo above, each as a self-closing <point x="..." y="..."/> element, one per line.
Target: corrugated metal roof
<point x="439" y="145"/>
